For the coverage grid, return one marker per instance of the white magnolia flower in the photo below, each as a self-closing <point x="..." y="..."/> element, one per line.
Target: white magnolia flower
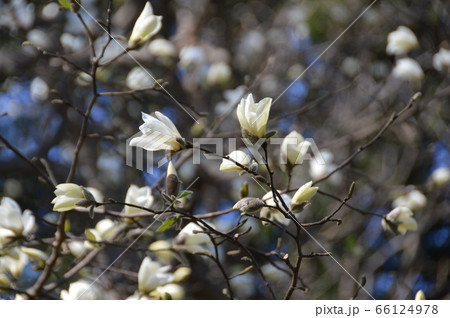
<point x="413" y="200"/>
<point x="441" y="60"/>
<point x="440" y="176"/>
<point x="274" y="214"/>
<point x="76" y="248"/>
<point x="162" y="48"/>
<point x="152" y="274"/>
<point x="253" y="116"/>
<point x="293" y="148"/>
<point x="145" y="27"/>
<point x="401" y="41"/>
<point x="13" y="262"/>
<point x="158" y="133"/>
<point x="104" y="230"/>
<point x="138" y="78"/>
<point x="408" y="69"/>
<point x="14" y="222"/>
<point x="402" y="218"/>
<point x="239" y="156"/>
<point x="81" y="290"/>
<point x="189" y="238"/>
<point x="420" y="295"/>
<point x="304" y="194"/>
<point x="218" y="74"/>
<point x="169" y="291"/>
<point x="138" y="196"/>
<point x="191" y="56"/>
<point x="162" y="250"/>
<point x="70" y="196"/>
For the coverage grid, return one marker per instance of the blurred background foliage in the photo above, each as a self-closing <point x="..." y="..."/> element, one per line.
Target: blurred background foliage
<point x="341" y="101"/>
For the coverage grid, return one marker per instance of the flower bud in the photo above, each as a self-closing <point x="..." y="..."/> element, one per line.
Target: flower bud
<point x="248" y="205"/>
<point x="145" y="27"/>
<point x="172" y="182"/>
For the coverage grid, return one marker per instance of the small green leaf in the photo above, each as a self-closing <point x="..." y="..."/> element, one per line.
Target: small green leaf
<point x="183" y="194"/>
<point x="166" y="225"/>
<point x="65" y="4"/>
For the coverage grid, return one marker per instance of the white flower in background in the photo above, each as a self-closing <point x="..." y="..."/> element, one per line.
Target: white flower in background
<point x="103" y="231"/>
<point x="72" y="43"/>
<point x="70" y="195"/>
<point x="138" y="78"/>
<point x="413" y="200"/>
<point x="162" y="249"/>
<point x="98" y="196"/>
<point x="13" y="262"/>
<point x="138" y="196"/>
<point x="239" y="156"/>
<point x="272" y="213"/>
<point x="152" y="274"/>
<point x="162" y="48"/>
<point x="408" y="69"/>
<point x="190" y="240"/>
<point x="440" y="176"/>
<point x="145" y="27"/>
<point x="218" y="74"/>
<point x="76" y="248"/>
<point x="402" y="219"/>
<point x="441" y="60"/>
<point x="302" y="196"/>
<point x="81" y="290"/>
<point x="40" y="39"/>
<point x="319" y="169"/>
<point x="293" y="148"/>
<point x="14" y="222"/>
<point x="253" y="116"/>
<point x="401" y="41"/>
<point x="158" y="133"/>
<point x="191" y="56"/>
<point x="35" y="254"/>
<point x="169" y="291"/>
<point x="420" y="295"/>
<point x="38" y="90"/>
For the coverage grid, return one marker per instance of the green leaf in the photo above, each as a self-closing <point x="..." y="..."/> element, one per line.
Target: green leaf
<point x="183" y="194"/>
<point x="65" y="4"/>
<point x="166" y="225"/>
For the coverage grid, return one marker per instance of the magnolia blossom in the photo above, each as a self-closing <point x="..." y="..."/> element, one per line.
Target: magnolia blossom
<point x="152" y="274"/>
<point x="401" y="41"/>
<point x="13" y="262"/>
<point x="145" y="27"/>
<point x="440" y="176"/>
<point x="70" y="196"/>
<point x="14" y="222"/>
<point x="103" y="231"/>
<point x="319" y="169"/>
<point x="413" y="200"/>
<point x="420" y="295"/>
<point x="76" y="248"/>
<point x="402" y="219"/>
<point x="138" y="196"/>
<point x="218" y="74"/>
<point x="139" y="78"/>
<point x="189" y="238"/>
<point x="274" y="214"/>
<point x="162" y="48"/>
<point x="253" y="116"/>
<point x="169" y="291"/>
<point x="408" y="69"/>
<point x="158" y="133"/>
<point x="441" y="60"/>
<point x="293" y="148"/>
<point x="81" y="290"/>
<point x="304" y="193"/>
<point x="162" y="249"/>
<point x="239" y="156"/>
